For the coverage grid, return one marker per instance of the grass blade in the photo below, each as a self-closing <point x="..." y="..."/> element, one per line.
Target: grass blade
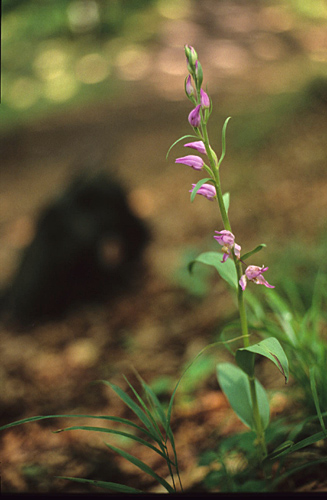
<point x="141" y="465"/>
<point x="305" y="442"/>
<point x="294" y="470"/>
<point x="147" y="411"/>
<point x="163" y="419"/>
<point x="113" y="431"/>
<point x="315" y="398"/>
<point x="155" y="403"/>
<point x="136" y="409"/>
<point x="106" y="485"/>
<point x="97" y="417"/>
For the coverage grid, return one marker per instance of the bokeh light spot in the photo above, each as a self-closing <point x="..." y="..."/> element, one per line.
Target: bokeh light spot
<point x="23" y="94"/>
<point x="172" y="9"/>
<point x="50" y="63"/>
<point x="92" y="68"/>
<point x="61" y="89"/>
<point x="132" y="63"/>
<point x="83" y="15"/>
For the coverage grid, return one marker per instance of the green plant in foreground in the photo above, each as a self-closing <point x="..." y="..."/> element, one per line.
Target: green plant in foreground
<point x="154" y="427"/>
<point x="302" y="330"/>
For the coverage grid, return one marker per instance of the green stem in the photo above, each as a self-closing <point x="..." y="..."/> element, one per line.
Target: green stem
<point x="260" y="441"/>
<point x="215" y="171"/>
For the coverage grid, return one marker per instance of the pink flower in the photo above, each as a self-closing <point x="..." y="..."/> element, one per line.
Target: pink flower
<point x="192" y="161"/>
<point x="253" y="273"/>
<point x="227" y="240"/>
<point x="198" y="145"/>
<point x="206" y="190"/>
<point x="205" y="101"/>
<point x="194" y="117"/>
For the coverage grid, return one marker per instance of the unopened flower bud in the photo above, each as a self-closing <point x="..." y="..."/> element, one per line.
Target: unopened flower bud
<point x="191" y="57"/>
<point x="194" y="117"/>
<point x="205" y="101"/>
<point x="188" y="86"/>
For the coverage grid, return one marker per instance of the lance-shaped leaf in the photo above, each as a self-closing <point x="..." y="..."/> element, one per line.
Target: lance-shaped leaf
<point x="252" y="252"/>
<point x="269" y="348"/>
<point x="223" y="140"/>
<point x="178" y="140"/>
<point x="235" y="385"/>
<point x="226" y="269"/>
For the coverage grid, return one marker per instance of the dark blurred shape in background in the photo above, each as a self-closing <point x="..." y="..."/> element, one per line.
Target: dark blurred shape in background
<point x="88" y="244"/>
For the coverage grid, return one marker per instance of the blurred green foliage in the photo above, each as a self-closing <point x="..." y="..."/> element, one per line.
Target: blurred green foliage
<point x="59" y="52"/>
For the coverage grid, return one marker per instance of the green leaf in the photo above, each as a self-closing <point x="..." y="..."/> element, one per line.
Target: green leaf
<point x="197" y="187"/>
<point x="178" y="140"/>
<point x="235" y="385"/>
<point x="226" y="269"/>
<point x="269" y="348"/>
<point x="141" y="465"/>
<point x="106" y="485"/>
<point x="226" y="198"/>
<point x="207" y="347"/>
<point x="252" y="252"/>
<point x="223" y="149"/>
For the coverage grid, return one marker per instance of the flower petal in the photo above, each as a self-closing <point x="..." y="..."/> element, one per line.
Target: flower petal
<point x="243" y="282"/>
<point x="198" y="145"/>
<point x="225" y="237"/>
<point x="192" y="161"/>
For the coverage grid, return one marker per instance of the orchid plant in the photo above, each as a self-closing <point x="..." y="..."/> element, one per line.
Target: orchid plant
<point x="237" y="380"/>
<point x="245" y="394"/>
